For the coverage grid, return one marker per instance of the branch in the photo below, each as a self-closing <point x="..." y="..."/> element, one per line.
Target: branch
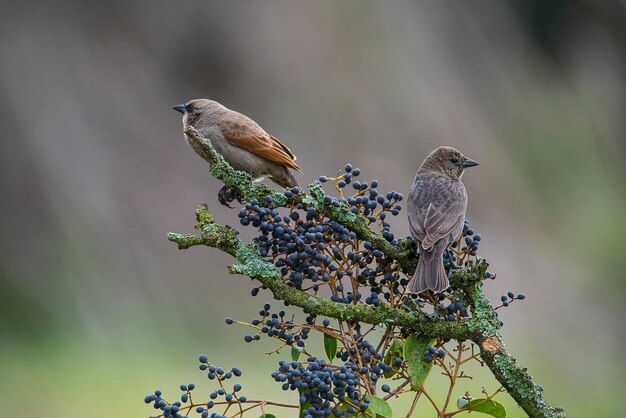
<point x="516" y="380"/>
<point x="251" y="264"/>
<point x="481" y="328"/>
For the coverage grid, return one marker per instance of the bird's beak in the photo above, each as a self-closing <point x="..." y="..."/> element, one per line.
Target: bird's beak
<point x="469" y="163"/>
<point x="180" y="108"/>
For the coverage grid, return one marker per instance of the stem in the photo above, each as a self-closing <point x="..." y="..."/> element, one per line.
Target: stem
<point x="414" y="404"/>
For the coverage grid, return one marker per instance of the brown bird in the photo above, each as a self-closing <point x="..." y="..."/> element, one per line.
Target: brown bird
<point x="436" y="210"/>
<point x="242" y="143"/>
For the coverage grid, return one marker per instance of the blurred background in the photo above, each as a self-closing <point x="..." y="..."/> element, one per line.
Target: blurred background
<point x="98" y="308"/>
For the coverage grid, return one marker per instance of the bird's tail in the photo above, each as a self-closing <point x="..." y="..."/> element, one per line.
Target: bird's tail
<point x="430" y="273"/>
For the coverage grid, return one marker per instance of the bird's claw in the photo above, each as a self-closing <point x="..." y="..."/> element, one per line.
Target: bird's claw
<point x="236" y="194"/>
<point x="227" y="195"/>
<point x="223" y="197"/>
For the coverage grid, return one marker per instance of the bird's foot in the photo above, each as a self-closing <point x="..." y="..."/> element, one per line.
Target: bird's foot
<point x="228" y="194"/>
<point x="223" y="197"/>
<point x="236" y="194"/>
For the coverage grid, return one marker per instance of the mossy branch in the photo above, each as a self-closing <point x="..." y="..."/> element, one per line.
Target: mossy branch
<point x="251" y="264"/>
<point x="481" y="328"/>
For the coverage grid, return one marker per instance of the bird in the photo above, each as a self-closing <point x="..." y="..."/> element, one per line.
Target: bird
<point x="436" y="209"/>
<point x="241" y="141"/>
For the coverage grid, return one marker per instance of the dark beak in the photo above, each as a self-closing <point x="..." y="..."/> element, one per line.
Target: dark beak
<point x="469" y="163"/>
<point x="180" y="108"/>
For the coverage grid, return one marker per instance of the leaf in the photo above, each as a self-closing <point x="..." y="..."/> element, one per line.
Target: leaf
<point x="486" y="406"/>
<point x="414" y="349"/>
<point x="394" y="351"/>
<point x="344" y="407"/>
<point x="295" y="353"/>
<point x="330" y="346"/>
<point x="380" y="407"/>
<point x="268" y="416"/>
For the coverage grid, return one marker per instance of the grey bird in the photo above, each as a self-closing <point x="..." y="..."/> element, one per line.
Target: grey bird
<point x="242" y="143"/>
<point x="436" y="210"/>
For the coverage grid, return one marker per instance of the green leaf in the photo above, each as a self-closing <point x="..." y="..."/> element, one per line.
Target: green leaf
<point x="414" y="349"/>
<point x="330" y="346"/>
<point x="268" y="416"/>
<point x="295" y="353"/>
<point x="486" y="406"/>
<point x="380" y="407"/>
<point x="394" y="351"/>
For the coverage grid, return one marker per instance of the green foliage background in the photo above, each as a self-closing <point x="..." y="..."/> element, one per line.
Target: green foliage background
<point x="98" y="308"/>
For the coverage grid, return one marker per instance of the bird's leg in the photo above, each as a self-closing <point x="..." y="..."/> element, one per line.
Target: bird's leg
<point x="223" y="197"/>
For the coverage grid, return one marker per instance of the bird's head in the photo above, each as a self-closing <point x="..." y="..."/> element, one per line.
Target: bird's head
<point x="196" y="107"/>
<point x="447" y="161"/>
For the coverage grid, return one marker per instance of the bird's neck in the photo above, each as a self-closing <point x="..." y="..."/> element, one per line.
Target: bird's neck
<point x="429" y="170"/>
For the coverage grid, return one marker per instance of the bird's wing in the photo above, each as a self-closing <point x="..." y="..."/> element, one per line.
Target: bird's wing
<point x="416" y="222"/>
<point x="439" y="221"/>
<point x="435" y="208"/>
<point x="246" y="134"/>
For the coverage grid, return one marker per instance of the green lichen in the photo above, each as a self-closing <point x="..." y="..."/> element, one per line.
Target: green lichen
<point x="526" y="393"/>
<point x="203" y="216"/>
<point x="185" y="241"/>
<point x="252" y="264"/>
<point x="469" y="281"/>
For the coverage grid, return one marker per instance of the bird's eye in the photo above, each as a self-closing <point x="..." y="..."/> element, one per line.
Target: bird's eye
<point x="454" y="160"/>
<point x="188" y="108"/>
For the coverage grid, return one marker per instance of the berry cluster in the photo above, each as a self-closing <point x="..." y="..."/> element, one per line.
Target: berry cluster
<point x="311" y="250"/>
<point x="506" y="301"/>
<point x="510" y="297"/>
<point x="433" y="352"/>
<point x="326" y="389"/>
<point x="275" y="325"/>
<point x="363" y="353"/>
<point x="456" y="311"/>
<point x="218" y="396"/>
<point x="366" y="200"/>
<point x="168" y="409"/>
<point x="461" y="250"/>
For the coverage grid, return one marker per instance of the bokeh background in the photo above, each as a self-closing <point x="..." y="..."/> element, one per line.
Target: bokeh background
<point x="98" y="308"/>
